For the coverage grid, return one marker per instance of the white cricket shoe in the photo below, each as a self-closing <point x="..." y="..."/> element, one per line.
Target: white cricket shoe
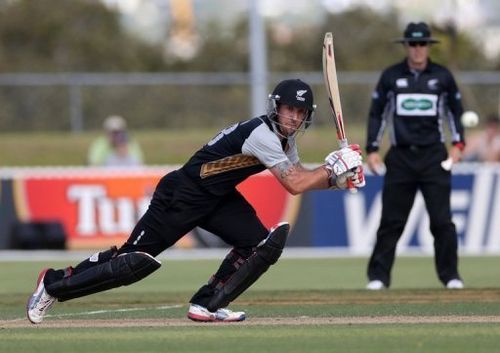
<point x="455" y="284"/>
<point x="201" y="314"/>
<point x="375" y="285"/>
<point x="39" y="302"/>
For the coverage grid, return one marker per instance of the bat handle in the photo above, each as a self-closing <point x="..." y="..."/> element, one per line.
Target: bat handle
<point x="343" y="143"/>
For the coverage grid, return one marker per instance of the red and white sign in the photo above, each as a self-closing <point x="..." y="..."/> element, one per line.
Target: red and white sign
<point x="99" y="209"/>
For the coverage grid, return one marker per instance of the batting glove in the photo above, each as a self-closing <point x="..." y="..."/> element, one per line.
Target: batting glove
<point x="355" y="178"/>
<point x="344" y="160"/>
<point x="358" y="179"/>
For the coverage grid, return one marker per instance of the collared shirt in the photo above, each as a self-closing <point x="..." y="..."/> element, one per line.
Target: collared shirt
<point x="413" y="105"/>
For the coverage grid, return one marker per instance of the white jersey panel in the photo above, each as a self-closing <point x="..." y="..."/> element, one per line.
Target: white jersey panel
<point x="265" y="145"/>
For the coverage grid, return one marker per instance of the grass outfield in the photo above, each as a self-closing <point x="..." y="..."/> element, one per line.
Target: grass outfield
<point x="300" y="305"/>
<point x="159" y="146"/>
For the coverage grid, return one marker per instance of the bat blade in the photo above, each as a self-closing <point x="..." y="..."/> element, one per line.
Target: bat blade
<point x="332" y="88"/>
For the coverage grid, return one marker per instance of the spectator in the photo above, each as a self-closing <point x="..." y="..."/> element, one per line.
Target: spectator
<point x="484" y="146"/>
<point x="116" y="148"/>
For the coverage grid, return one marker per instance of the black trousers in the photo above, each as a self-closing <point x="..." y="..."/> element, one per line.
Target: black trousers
<point x="178" y="205"/>
<point x="410" y="169"/>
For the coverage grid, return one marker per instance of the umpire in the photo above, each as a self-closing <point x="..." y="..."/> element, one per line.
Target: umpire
<point x="412" y="99"/>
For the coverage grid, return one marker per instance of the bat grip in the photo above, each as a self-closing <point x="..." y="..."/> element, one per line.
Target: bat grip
<point x="350" y="186"/>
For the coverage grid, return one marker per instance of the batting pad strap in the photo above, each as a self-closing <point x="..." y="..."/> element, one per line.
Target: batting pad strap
<point x="122" y="270"/>
<point x="265" y="255"/>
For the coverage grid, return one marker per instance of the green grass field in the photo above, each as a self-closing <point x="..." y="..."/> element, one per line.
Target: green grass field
<point x="159" y="146"/>
<point x="299" y="305"/>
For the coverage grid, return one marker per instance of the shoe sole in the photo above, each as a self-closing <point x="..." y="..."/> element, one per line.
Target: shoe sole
<point x="41" y="275"/>
<point x="199" y="318"/>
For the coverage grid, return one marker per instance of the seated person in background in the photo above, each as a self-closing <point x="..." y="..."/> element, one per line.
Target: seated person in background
<point x="484" y="145"/>
<point x="116" y="148"/>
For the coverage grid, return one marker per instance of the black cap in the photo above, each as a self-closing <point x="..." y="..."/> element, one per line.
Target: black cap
<point x="295" y="93"/>
<point x="417" y="32"/>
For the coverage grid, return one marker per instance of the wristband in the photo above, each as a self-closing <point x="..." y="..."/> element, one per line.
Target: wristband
<point x="459" y="145"/>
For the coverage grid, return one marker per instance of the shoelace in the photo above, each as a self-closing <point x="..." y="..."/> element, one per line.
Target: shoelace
<point x="44" y="303"/>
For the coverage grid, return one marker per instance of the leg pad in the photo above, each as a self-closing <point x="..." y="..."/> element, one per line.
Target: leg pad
<point x="119" y="271"/>
<point x="265" y="255"/>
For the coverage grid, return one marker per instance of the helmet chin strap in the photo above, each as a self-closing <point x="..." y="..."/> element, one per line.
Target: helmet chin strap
<point x="277" y="127"/>
<point x="272" y="113"/>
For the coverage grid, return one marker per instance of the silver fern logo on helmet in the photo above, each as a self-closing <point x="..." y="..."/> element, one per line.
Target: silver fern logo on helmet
<point x="300" y="93"/>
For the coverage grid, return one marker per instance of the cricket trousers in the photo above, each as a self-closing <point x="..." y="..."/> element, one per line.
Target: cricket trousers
<point x="178" y="205"/>
<point x="410" y="169"/>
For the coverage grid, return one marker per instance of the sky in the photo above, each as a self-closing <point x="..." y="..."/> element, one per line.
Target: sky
<point x="480" y="18"/>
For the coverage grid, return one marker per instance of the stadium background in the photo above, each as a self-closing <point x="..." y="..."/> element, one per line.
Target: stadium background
<point x="189" y="69"/>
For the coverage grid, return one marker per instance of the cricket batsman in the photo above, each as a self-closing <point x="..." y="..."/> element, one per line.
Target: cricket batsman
<point x="203" y="193"/>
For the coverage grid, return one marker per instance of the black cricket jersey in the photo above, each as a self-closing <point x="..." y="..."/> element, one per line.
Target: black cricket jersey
<point x="237" y="152"/>
<point x="413" y="106"/>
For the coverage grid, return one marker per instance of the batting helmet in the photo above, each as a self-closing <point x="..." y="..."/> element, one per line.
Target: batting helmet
<point x="293" y="92"/>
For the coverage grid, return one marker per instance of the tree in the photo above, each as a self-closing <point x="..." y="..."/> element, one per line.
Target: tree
<point x="64" y="35"/>
<point x="364" y="40"/>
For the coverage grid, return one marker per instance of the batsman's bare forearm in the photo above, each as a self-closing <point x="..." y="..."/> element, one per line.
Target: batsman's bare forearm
<point x="296" y="179"/>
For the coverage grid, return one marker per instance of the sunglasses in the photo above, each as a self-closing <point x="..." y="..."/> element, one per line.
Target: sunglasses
<point x="420" y="44"/>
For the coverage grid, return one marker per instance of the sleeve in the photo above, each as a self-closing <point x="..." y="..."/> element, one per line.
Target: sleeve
<point x="265" y="145"/>
<point x="375" y="128"/>
<point x="454" y="113"/>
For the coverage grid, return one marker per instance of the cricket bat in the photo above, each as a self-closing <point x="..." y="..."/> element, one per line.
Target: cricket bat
<point x="332" y="89"/>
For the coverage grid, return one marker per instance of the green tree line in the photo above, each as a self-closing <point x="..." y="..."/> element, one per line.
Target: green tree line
<point x="81" y="35"/>
<point x="59" y="36"/>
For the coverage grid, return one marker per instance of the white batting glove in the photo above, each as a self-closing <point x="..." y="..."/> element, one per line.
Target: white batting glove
<point x="340" y="181"/>
<point x="353" y="178"/>
<point x="344" y="160"/>
<point x="358" y="179"/>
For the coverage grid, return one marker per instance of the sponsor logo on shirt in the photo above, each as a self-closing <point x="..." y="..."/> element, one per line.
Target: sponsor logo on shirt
<point x="433" y="83"/>
<point x="412" y="104"/>
<point x="402" y="82"/>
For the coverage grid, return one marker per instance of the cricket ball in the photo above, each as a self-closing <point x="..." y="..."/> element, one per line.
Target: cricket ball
<point x="470" y="119"/>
